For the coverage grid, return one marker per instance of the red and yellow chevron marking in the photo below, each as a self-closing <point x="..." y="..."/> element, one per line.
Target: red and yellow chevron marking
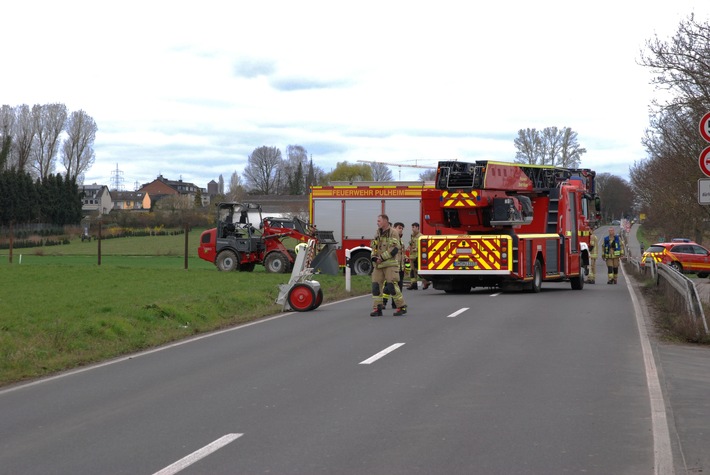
<point x="467" y="253"/>
<point x="458" y="199"/>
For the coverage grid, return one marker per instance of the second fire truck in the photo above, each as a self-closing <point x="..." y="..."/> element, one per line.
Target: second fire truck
<point x="516" y="226"/>
<point x="351" y="209"/>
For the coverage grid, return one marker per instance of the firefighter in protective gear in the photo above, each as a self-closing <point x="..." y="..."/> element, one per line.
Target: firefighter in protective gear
<point x="414" y="257"/>
<point x="612" y="251"/>
<point x="385" y="274"/>
<point x="593" y="247"/>
<point x="399" y="227"/>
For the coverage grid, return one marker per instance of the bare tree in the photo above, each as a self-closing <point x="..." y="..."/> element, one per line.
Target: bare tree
<point x="669" y="176"/>
<point x="381" y="172"/>
<point x="293" y="171"/>
<point x="570" y="155"/>
<point x="616" y="196"/>
<point x="682" y="64"/>
<point x="261" y="173"/>
<point x="48" y="121"/>
<point x="78" y="147"/>
<point x="667" y="179"/>
<point x="7" y="122"/>
<point x="236" y="190"/>
<point x="429" y="175"/>
<point x="529" y="147"/>
<point x="551" y="146"/>
<point x="23" y="134"/>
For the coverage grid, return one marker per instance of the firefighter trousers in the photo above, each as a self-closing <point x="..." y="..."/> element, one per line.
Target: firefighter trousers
<point x="385" y="281"/>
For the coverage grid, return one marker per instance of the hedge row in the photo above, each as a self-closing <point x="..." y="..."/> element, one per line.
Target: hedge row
<point x="25" y="243"/>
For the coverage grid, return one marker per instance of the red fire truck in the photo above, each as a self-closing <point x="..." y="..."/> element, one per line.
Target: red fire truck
<point x="351" y="209"/>
<point x="515" y="226"/>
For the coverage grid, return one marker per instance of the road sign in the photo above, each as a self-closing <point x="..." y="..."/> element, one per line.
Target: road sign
<point x="705" y="161"/>
<point x="704" y="191"/>
<point x="705" y="127"/>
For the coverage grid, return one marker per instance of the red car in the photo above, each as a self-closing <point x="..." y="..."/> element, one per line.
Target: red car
<point x="687" y="257"/>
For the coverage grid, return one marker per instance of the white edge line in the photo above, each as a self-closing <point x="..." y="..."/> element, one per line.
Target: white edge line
<point x="198" y="454"/>
<point x="160" y="348"/>
<point x="663" y="455"/>
<point x="457" y="313"/>
<point x="496" y="294"/>
<point x="382" y="353"/>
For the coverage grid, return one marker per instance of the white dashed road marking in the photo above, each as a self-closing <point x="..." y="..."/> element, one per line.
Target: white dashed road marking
<point x="382" y="353"/>
<point x="185" y="462"/>
<point x="457" y="313"/>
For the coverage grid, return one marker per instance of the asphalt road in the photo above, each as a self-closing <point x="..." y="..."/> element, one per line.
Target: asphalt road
<point x="516" y="383"/>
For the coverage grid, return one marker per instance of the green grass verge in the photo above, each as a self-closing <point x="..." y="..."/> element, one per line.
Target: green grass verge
<point x="647" y="236"/>
<point x="59" y="311"/>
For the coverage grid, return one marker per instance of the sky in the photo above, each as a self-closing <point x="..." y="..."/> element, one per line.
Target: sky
<point x="189" y="89"/>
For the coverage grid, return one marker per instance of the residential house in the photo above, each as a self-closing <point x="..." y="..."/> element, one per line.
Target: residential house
<point x="161" y="187"/>
<point x="131" y="200"/>
<point x="96" y="199"/>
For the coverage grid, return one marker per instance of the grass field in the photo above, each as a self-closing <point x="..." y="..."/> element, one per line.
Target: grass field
<point x="59" y="309"/>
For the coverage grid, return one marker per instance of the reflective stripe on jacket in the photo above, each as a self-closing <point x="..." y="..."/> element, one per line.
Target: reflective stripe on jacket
<point x="612" y="250"/>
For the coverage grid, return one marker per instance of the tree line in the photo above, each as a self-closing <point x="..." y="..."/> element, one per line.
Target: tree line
<point x="52" y="200"/>
<point x="32" y="139"/>
<point x="268" y="172"/>
<point x="665" y="184"/>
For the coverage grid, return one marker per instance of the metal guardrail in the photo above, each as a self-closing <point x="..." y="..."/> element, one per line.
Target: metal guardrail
<point x="668" y="278"/>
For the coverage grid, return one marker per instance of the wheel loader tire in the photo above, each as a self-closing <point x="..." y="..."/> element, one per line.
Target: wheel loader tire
<point x="247" y="267"/>
<point x="302" y="298"/>
<point x="276" y="263"/>
<point x="227" y="261"/>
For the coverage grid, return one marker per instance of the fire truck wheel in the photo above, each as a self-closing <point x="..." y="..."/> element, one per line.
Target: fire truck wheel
<point x="227" y="261"/>
<point x="276" y="263"/>
<point x="577" y="282"/>
<point x="361" y="264"/>
<point x="536" y="284"/>
<point x="302" y="298"/>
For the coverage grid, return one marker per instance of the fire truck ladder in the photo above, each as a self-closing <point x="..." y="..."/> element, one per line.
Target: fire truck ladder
<point x="553" y="211"/>
<point x="461" y="175"/>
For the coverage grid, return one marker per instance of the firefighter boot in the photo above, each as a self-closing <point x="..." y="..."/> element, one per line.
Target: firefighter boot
<point x="425" y="284"/>
<point x="400" y="311"/>
<point x="376" y="311"/>
<point x="413" y="285"/>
